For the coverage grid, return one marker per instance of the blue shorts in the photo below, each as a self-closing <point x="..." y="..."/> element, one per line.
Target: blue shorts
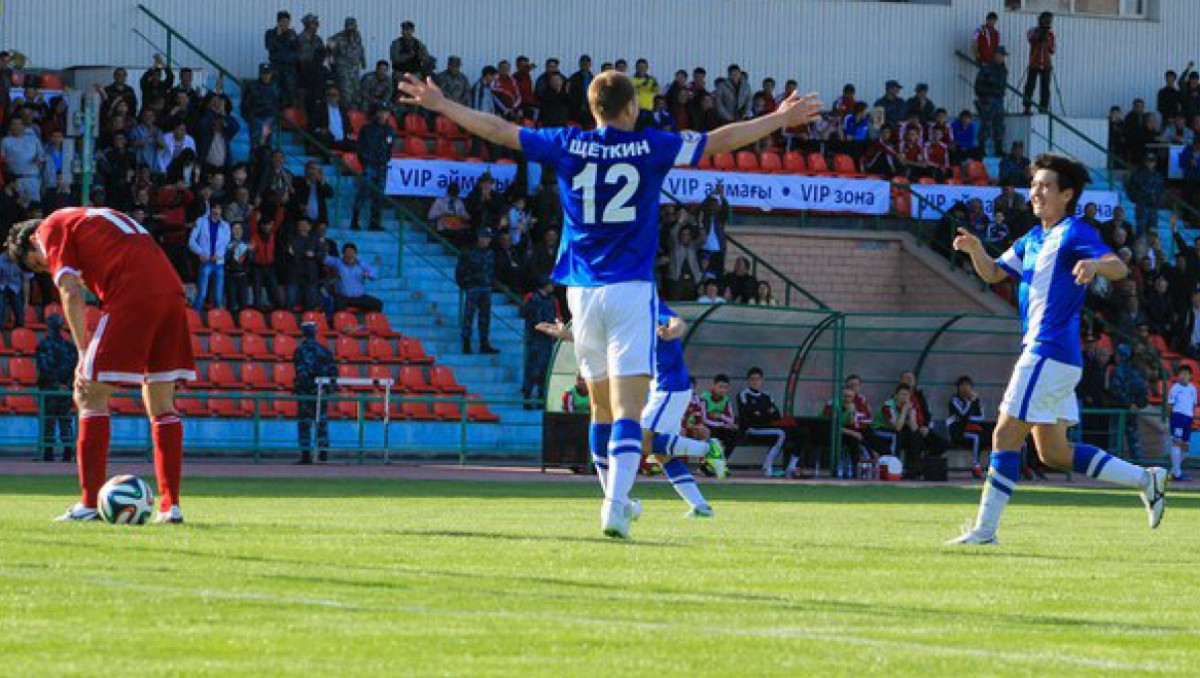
<point x="1181" y="427"/>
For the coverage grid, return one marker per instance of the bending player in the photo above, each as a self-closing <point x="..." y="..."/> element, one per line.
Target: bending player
<point x="662" y="417"/>
<point x="142" y="337"/>
<point x="610" y="179"/>
<point x="1055" y="262"/>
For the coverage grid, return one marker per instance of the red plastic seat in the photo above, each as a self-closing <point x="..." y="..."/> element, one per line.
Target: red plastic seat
<point x="294" y="117"/>
<point x="843" y="165"/>
<point x="254" y="376"/>
<point x="222" y="346"/>
<point x="381" y="372"/>
<point x="255" y="347"/>
<point x="345" y="409"/>
<point x="769" y="162"/>
<point x="793" y="163"/>
<point x="284" y="376"/>
<point x="414" y="147"/>
<point x="199" y="350"/>
<point x="478" y="411"/>
<point x="348" y="348"/>
<point x="746" y="161"/>
<point x="21" y="404"/>
<point x="349" y="371"/>
<point x="225" y="407"/>
<point x="378" y="325"/>
<point x="318" y="318"/>
<point x="446" y="148"/>
<point x="815" y="161"/>
<point x="192" y="407"/>
<point x="31" y="319"/>
<point x="346" y="322"/>
<point x="195" y="322"/>
<point x="380" y="350"/>
<point x="976" y="173"/>
<point x="417" y="411"/>
<point x="445" y="127"/>
<point x="284" y="322"/>
<point x="447" y="410"/>
<point x="414" y="125"/>
<point x="50" y="80"/>
<point x="281" y="408"/>
<point x="352" y="163"/>
<point x="221" y="376"/>
<point x="23" y="341"/>
<point x="724" y="161"/>
<point x="283" y="347"/>
<point x="442" y="378"/>
<point x="413" y="352"/>
<point x="220" y="320"/>
<point x="705" y="163"/>
<point x="357" y="120"/>
<point x="252" y="320"/>
<point x="22" y="371"/>
<point x="412" y="380"/>
<point x="126" y="405"/>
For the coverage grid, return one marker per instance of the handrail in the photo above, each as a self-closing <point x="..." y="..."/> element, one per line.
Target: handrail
<point x="358" y="180"/>
<point x="1174" y="202"/>
<point x="757" y="261"/>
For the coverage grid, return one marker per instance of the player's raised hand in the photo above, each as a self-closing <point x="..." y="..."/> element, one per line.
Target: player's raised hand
<point x="421" y="92"/>
<point x="1085" y="271"/>
<point x="800" y="110"/>
<point x="966" y="241"/>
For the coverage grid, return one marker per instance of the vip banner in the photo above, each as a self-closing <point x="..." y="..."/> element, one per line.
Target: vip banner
<point x="938" y="199"/>
<point x="781" y="191"/>
<point x="429" y="178"/>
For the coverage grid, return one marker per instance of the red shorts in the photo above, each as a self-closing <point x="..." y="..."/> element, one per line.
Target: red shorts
<point x="142" y="343"/>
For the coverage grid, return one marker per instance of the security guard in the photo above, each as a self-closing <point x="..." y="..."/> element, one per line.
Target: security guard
<point x="540" y="307"/>
<point x="349" y="59"/>
<point x="476" y="276"/>
<point x="56" y="360"/>
<point x="312" y="360"/>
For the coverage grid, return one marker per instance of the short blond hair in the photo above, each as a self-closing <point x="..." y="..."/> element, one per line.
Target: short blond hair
<point x="610" y="94"/>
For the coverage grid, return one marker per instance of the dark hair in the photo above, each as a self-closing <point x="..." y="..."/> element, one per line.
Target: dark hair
<point x="1171" y="74"/>
<point x="382" y="62"/>
<point x="733" y="67"/>
<point x="349" y="246"/>
<point x="552" y="60"/>
<point x="964" y="379"/>
<point x="901" y="387"/>
<point x="721" y="378"/>
<point x="641" y="61"/>
<point x="489" y="70"/>
<point x="408" y="24"/>
<point x="699" y="71"/>
<point x="1069" y="174"/>
<point x="1181" y="368"/>
<point x="610" y="94"/>
<point x="622" y="61"/>
<point x="851" y="376"/>
<point x="754" y="371"/>
<point x="20" y="241"/>
<point x="991" y="15"/>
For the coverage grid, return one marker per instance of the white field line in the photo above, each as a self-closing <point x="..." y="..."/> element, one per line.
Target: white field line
<point x="825" y="634"/>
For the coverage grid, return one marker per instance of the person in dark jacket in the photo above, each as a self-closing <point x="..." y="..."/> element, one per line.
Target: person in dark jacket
<point x="156" y="82"/>
<point x="312" y="360"/>
<point x="484" y="204"/>
<point x="282" y="52"/>
<point x="756" y="417"/>
<point x="308" y="257"/>
<point x="510" y="265"/>
<point x="990" y="87"/>
<point x="374" y="151"/>
<point x="476" y="276"/>
<point x="214" y="136"/>
<point x="540" y="307"/>
<point x="56" y="360"/>
<point x="311" y="195"/>
<point x="330" y="122"/>
<point x="261" y="103"/>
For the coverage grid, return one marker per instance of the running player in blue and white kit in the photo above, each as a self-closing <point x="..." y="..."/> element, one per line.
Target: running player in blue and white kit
<point x="662" y="417"/>
<point x="610" y="179"/>
<point x="1182" y="399"/>
<point x="1054" y="262"/>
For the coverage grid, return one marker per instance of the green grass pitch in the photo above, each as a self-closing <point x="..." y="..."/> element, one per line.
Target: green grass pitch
<point x="392" y="578"/>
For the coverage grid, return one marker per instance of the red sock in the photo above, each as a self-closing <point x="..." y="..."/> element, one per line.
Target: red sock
<point x="91" y="453"/>
<point x="167" y="431"/>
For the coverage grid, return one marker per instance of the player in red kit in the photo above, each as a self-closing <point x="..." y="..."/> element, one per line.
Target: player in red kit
<point x="142" y="337"/>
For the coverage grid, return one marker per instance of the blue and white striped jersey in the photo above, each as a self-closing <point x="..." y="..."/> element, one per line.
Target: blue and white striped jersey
<point x="1050" y="300"/>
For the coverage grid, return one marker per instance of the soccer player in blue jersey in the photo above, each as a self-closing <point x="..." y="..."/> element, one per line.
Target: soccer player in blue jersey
<point x="610" y="179"/>
<point x="662" y="417"/>
<point x="1054" y="262"/>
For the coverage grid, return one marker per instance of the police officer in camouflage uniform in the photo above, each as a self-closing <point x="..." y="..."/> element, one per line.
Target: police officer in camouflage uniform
<point x="375" y="90"/>
<point x="349" y="60"/>
<point x="540" y="307"/>
<point x="312" y="360"/>
<point x="280" y="42"/>
<point x="56" y="360"/>
<point x="476" y="276"/>
<point x="310" y="63"/>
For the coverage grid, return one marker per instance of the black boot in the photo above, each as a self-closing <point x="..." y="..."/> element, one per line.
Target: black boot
<point x="322" y="456"/>
<point x="48" y="454"/>
<point x="485" y="347"/>
<point x="466" y="346"/>
<point x="305" y="459"/>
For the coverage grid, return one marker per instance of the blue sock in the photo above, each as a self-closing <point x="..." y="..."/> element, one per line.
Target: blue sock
<point x="598" y="436"/>
<point x="1098" y="464"/>
<point x="666" y="444"/>
<point x="625" y="455"/>
<point x="684" y="482"/>
<point x="1001" y="480"/>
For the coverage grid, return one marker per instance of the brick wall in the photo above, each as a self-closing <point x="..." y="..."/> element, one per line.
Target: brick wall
<point x="866" y="271"/>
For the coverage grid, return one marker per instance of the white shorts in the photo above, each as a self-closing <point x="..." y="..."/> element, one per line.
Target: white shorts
<point x="615" y="328"/>
<point x="664" y="411"/>
<point x="1042" y="391"/>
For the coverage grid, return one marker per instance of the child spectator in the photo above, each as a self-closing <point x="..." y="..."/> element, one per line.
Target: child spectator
<point x="1182" y="399"/>
<point x="717" y="414"/>
<point x="937" y="156"/>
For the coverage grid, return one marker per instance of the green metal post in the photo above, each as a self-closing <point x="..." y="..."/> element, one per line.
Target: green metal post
<point x="362" y="427"/>
<point x="170" y="37"/>
<point x="835" y="424"/>
<point x="257" y="427"/>
<point x="462" y="434"/>
<point x="40" y="399"/>
<point x="87" y="160"/>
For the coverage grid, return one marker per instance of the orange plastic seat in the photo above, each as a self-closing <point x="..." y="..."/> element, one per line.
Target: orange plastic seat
<point x="222" y="346"/>
<point x="447" y="410"/>
<point x="414" y="147"/>
<point x="192" y="407"/>
<point x="199" y="350"/>
<point x="417" y="411"/>
<point x="445" y="127"/>
<point x="21" y="404"/>
<point x="350" y="371"/>
<point x="442" y="378"/>
<point x="793" y="162"/>
<point x="284" y="376"/>
<point x="295" y="117"/>
<point x="746" y="161"/>
<point x="446" y="148"/>
<point x="357" y="120"/>
<point x="283" y="347"/>
<point x="844" y="165"/>
<point x="352" y="163"/>
<point x="254" y="376"/>
<point x="479" y="411"/>
<point x="220" y="320"/>
<point x="413" y="352"/>
<point x="318" y="318"/>
<point x="195" y="322"/>
<point x="412" y="380"/>
<point x="346" y="322"/>
<point x="724" y="161"/>
<point x="976" y="172"/>
<point x="378" y="325"/>
<point x="414" y="125"/>
<point x="348" y="348"/>
<point x="380" y="350"/>
<point x="255" y="347"/>
<point x="22" y="371"/>
<point x="815" y="162"/>
<point x="380" y="372"/>
<point x="252" y="320"/>
<point x="221" y="376"/>
<point x="23" y="341"/>
<point x="285" y="322"/>
<point x="769" y="161"/>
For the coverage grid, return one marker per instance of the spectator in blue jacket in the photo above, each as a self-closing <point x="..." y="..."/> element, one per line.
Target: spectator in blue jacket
<point x="209" y="241"/>
<point x="966" y="138"/>
<point x="261" y="104"/>
<point x="214" y="136"/>
<point x="352" y="280"/>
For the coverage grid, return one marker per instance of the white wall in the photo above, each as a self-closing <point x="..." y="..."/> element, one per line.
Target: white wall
<point x="823" y="43"/>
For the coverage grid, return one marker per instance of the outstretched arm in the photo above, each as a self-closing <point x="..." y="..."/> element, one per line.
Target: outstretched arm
<point x="985" y="265"/>
<point x="557" y="330"/>
<point x="1110" y="266"/>
<point x="493" y="128"/>
<point x="793" y="111"/>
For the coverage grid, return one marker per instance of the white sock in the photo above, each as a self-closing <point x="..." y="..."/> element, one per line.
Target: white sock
<point x="1120" y="472"/>
<point x="684" y="483"/>
<point x="998" y="487"/>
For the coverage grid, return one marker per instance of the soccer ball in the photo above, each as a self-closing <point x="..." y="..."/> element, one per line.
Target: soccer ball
<point x="126" y="500"/>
